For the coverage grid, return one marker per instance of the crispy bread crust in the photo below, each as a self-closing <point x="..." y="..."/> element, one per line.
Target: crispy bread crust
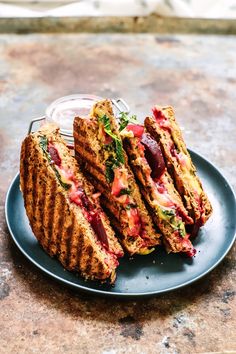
<point x="58" y="224"/>
<point x="89" y="154"/>
<point x="142" y="172"/>
<point x="184" y="188"/>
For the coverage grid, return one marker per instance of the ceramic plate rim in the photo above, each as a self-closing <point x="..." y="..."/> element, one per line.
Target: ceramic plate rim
<point x="120" y="294"/>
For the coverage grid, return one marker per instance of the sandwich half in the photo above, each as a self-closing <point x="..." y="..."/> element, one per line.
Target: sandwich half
<point x="163" y="128"/>
<point x="63" y="209"/>
<point x="99" y="145"/>
<point x="169" y="214"/>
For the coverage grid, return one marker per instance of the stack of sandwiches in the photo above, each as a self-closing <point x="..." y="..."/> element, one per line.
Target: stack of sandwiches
<point x="130" y="187"/>
<point x="98" y="145"/>
<point x="167" y="178"/>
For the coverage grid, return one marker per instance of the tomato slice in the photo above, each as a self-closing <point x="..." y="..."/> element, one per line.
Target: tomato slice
<point x="120" y="181"/>
<point x="136" y="129"/>
<point x="135" y="224"/>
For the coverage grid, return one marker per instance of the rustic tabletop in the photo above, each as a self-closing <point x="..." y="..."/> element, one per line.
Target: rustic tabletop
<point x="195" y="74"/>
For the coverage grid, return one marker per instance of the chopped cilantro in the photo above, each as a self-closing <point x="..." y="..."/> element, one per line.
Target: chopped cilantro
<point x="168" y="212"/>
<point x="125" y="191"/>
<point x="43" y="143"/>
<point x="109" y="171"/>
<point x="109" y="147"/>
<point x="112" y="161"/>
<point x="182" y="233"/>
<point x="63" y="184"/>
<point x="107" y="126"/>
<point x="181" y="229"/>
<point x="118" y="143"/>
<point x="110" y="164"/>
<point x="125" y="120"/>
<point x="174" y="222"/>
<point x="119" y="151"/>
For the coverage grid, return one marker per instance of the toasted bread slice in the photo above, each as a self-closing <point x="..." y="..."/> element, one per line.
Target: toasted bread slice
<point x="98" y="146"/>
<point x="156" y="185"/>
<point x="60" y="204"/>
<point x="163" y="127"/>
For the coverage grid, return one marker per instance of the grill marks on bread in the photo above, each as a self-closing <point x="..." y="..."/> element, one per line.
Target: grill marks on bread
<point x="59" y="225"/>
<point x="184" y="188"/>
<point x="58" y="222"/>
<point x="90" y="155"/>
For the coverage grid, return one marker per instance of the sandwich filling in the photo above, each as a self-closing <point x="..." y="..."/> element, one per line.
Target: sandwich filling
<point x="182" y="159"/>
<point x="118" y="177"/>
<point x="76" y="192"/>
<point x="153" y="165"/>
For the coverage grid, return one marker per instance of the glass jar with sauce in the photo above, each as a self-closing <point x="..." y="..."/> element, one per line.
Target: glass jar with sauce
<point x="63" y="111"/>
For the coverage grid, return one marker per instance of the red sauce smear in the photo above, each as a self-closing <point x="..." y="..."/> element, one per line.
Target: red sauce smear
<point x="107" y="138"/>
<point x="161" y="119"/>
<point x="54" y="154"/>
<point x="80" y="198"/>
<point x="120" y="182"/>
<point x="161" y="188"/>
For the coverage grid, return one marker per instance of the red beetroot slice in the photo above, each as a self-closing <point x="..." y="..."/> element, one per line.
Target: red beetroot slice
<point x="136" y="129"/>
<point x="85" y="201"/>
<point x="54" y="155"/>
<point x="99" y="229"/>
<point x="92" y="216"/>
<point x="153" y="156"/>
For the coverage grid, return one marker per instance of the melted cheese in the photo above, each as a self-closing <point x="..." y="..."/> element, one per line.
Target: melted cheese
<point x="120" y="181"/>
<point x="186" y="168"/>
<point x="163" y="199"/>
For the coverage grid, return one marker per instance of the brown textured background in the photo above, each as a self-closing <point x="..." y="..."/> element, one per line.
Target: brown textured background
<point x="195" y="74"/>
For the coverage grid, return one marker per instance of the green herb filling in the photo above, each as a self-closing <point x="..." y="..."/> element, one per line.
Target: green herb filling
<point x="115" y="146"/>
<point x="169" y="216"/>
<point x="125" y="120"/>
<point x="43" y="143"/>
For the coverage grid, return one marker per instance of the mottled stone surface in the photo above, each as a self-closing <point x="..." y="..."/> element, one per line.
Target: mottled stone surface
<point x="125" y="24"/>
<point x="195" y="74"/>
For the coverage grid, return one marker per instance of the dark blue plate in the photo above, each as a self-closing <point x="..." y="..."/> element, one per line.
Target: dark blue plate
<point x="143" y="275"/>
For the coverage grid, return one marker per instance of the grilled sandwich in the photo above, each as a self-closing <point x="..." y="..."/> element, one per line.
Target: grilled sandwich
<point x="169" y="214"/>
<point x="164" y="129"/>
<point x="63" y="209"/>
<point x="99" y="146"/>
